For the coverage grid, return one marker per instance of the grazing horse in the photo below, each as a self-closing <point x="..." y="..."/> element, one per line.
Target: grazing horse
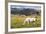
<point x="29" y="20"/>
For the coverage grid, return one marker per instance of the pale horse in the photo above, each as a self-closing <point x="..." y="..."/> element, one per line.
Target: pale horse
<point x="29" y="20"/>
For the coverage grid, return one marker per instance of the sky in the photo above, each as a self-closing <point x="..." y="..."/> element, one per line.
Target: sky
<point x="20" y="6"/>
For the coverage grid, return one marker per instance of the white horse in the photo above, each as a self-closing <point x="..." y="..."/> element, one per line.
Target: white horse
<point x="29" y="20"/>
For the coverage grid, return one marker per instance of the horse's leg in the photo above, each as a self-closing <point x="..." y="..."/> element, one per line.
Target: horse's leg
<point x="24" y="22"/>
<point x="28" y="22"/>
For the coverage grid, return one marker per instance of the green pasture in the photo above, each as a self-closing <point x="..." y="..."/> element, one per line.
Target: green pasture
<point x="17" y="22"/>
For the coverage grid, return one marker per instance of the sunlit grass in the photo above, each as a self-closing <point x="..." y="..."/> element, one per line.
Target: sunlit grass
<point x="17" y="21"/>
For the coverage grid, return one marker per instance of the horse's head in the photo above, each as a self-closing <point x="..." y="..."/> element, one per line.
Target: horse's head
<point x="34" y="19"/>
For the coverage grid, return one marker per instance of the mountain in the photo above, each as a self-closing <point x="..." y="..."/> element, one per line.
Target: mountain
<point x="25" y="11"/>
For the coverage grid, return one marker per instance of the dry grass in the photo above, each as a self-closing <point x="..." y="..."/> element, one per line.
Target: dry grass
<point x="17" y="21"/>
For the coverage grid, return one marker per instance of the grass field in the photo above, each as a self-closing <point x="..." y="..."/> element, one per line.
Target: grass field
<point x="17" y="21"/>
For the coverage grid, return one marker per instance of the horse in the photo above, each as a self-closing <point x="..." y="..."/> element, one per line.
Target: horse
<point x="29" y="20"/>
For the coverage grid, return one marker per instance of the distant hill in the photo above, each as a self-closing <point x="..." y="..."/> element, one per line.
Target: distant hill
<point x="25" y="11"/>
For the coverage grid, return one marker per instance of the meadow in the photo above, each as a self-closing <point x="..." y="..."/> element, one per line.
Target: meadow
<point x="17" y="22"/>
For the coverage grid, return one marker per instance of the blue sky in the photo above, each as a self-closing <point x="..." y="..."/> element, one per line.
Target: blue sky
<point x="21" y="6"/>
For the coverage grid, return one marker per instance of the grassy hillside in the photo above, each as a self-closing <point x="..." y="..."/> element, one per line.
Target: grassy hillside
<point x="17" y="22"/>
